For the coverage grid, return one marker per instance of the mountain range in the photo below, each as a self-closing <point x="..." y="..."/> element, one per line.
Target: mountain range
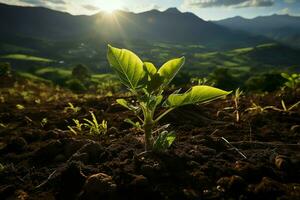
<point x="167" y="26"/>
<point x="281" y="28"/>
<point x="47" y="32"/>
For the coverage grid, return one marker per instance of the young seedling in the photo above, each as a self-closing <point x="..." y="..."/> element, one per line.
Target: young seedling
<point x="2" y="167"/>
<point x="202" y="81"/>
<point x="20" y="107"/>
<point x="94" y="126"/>
<point x="77" y="128"/>
<point x="44" y="122"/>
<point x="72" y="108"/>
<point x="148" y="83"/>
<point x="236" y="100"/>
<point x="292" y="81"/>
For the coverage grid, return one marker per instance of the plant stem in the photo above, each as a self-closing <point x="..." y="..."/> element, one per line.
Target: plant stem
<point x="148" y="136"/>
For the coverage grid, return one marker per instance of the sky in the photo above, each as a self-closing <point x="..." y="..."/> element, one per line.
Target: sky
<point x="206" y="9"/>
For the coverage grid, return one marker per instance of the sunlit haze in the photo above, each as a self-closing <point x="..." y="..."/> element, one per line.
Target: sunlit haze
<point x="208" y="9"/>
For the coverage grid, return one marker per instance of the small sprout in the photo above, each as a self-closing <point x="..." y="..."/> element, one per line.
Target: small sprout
<point x="292" y="81"/>
<point x="2" y="99"/>
<point x="44" y="122"/>
<point x="37" y="101"/>
<point x="20" y="107"/>
<point x="2" y="167"/>
<point x="236" y="98"/>
<point x="202" y="81"/>
<point x="148" y="83"/>
<point x="164" y="140"/>
<point x="77" y="128"/>
<point x="72" y="108"/>
<point x="3" y="125"/>
<point x="94" y="126"/>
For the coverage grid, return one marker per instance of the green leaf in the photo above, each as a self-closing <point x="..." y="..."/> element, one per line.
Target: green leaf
<point x="127" y="105"/>
<point x="127" y="65"/>
<point x="123" y="103"/>
<point x="150" y="68"/>
<point x="169" y="70"/>
<point x="284" y="75"/>
<point x="155" y="101"/>
<point x="197" y="94"/>
<point x="289" y="84"/>
<point x="164" y="140"/>
<point x="294" y="76"/>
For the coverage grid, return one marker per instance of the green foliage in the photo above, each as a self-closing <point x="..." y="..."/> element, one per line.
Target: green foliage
<point x="44" y="122"/>
<point x="164" y="141"/>
<point x="202" y="81"/>
<point x="76" y="85"/>
<point x="2" y="167"/>
<point x="5" y="69"/>
<point x="148" y="84"/>
<point x="169" y="70"/>
<point x="26" y="57"/>
<point x="222" y="77"/>
<point x="292" y="81"/>
<point x="94" y="126"/>
<point x="195" y="95"/>
<point x="266" y="82"/>
<point x="134" y="124"/>
<point x="20" y="107"/>
<point x="127" y="65"/>
<point x="77" y="128"/>
<point x="72" y="108"/>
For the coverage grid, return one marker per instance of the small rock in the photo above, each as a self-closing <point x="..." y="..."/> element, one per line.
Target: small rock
<point x="21" y="195"/>
<point x="139" y="180"/>
<point x="232" y="184"/>
<point x="17" y="144"/>
<point x="93" y="150"/>
<point x="282" y="162"/>
<point x="99" y="186"/>
<point x="269" y="189"/>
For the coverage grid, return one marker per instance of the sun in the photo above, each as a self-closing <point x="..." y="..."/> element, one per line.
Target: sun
<point x="110" y="6"/>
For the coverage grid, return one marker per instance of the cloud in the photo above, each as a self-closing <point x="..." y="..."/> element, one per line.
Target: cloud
<point x="228" y="3"/>
<point x="90" y="7"/>
<point x="43" y="2"/>
<point x="289" y="1"/>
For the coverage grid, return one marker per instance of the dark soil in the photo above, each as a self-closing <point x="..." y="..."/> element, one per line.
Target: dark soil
<point x="47" y="161"/>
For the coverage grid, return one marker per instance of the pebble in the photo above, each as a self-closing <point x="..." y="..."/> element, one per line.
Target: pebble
<point x="97" y="186"/>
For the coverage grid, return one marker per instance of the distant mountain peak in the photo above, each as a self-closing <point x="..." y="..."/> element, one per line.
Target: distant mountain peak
<point x="238" y="17"/>
<point x="173" y="10"/>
